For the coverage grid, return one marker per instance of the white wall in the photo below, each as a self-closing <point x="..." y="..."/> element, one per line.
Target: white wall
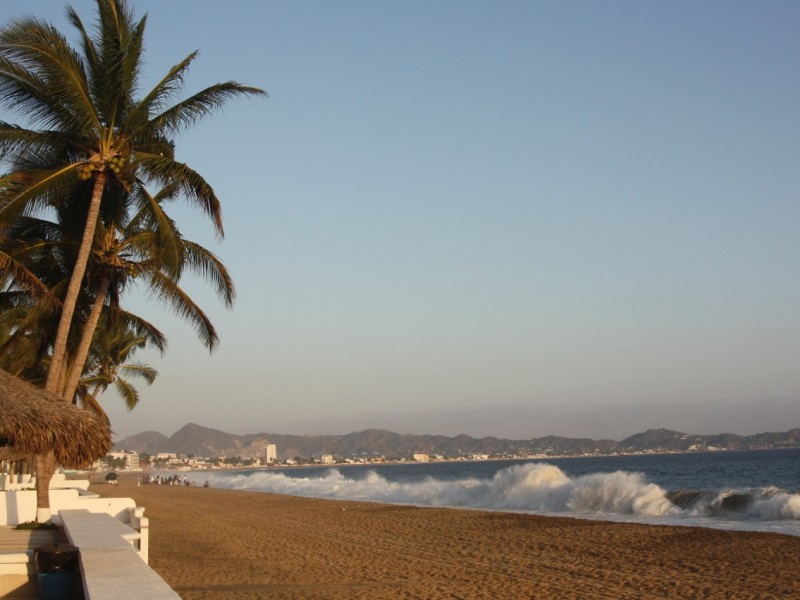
<point x="24" y="482"/>
<point x="20" y="506"/>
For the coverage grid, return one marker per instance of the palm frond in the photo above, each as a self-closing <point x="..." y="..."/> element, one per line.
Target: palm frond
<point x="186" y="113"/>
<point x="152" y="218"/>
<point x="210" y="267"/>
<point x="90" y="403"/>
<point x="140" y="370"/>
<point x="41" y="50"/>
<point x="24" y="279"/>
<point x="27" y="95"/>
<point x="143" y="328"/>
<point x="89" y="50"/>
<point x="166" y="290"/>
<point x="16" y="140"/>
<point x="157" y="99"/>
<point x="129" y="393"/>
<point x="120" y="43"/>
<point x="34" y="190"/>
<point x="166" y="171"/>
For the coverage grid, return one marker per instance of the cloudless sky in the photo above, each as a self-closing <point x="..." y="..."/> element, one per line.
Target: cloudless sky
<point x="494" y="218"/>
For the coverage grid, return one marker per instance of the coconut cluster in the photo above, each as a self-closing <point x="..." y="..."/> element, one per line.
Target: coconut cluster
<point x="85" y="171"/>
<point x="115" y="164"/>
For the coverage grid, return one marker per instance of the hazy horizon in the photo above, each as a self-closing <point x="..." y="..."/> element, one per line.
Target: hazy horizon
<point x="510" y="218"/>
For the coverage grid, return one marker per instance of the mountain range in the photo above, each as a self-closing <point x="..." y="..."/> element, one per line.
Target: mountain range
<point x="196" y="440"/>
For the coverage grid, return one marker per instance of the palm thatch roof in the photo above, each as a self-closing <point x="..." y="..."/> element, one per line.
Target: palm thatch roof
<point x="33" y="421"/>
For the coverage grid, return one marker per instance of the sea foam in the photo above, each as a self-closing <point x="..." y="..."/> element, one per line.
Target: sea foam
<point x="535" y="487"/>
<point x="538" y="488"/>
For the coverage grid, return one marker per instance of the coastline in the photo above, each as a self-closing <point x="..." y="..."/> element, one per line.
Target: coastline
<point x="215" y="543"/>
<point x="183" y="464"/>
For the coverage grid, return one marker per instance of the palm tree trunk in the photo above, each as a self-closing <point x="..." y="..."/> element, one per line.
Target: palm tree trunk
<point x="86" y="340"/>
<point x="46" y="463"/>
<point x="75" y="282"/>
<point x="45" y="467"/>
<point x="62" y="377"/>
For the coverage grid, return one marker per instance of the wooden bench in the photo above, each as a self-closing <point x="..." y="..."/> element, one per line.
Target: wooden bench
<point x="111" y="567"/>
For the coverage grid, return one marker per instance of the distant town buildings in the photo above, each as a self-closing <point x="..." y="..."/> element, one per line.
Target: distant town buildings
<point x="262" y="454"/>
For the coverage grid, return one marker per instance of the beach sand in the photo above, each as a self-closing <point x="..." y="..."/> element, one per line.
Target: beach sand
<point x="214" y="543"/>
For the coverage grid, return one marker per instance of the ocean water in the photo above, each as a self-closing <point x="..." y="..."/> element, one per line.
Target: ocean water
<point x="741" y="490"/>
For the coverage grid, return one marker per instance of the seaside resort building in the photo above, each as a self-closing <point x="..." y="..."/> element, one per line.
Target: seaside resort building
<point x="130" y="460"/>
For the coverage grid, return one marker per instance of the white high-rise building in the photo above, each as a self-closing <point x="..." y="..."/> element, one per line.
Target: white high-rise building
<point x="270" y="453"/>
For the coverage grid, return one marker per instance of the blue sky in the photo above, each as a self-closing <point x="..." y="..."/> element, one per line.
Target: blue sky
<point x="494" y="218"/>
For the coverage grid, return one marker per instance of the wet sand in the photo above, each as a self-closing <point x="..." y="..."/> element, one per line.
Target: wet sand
<point x="213" y="543"/>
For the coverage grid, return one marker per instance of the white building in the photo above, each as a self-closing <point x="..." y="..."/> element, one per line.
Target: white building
<point x="131" y="459"/>
<point x="421" y="457"/>
<point x="327" y="459"/>
<point x="270" y="453"/>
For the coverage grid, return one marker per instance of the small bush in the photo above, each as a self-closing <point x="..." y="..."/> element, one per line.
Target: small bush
<point x="29" y="525"/>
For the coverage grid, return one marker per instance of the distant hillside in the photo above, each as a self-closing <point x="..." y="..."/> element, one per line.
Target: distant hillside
<point x="201" y="441"/>
<point x="146" y="439"/>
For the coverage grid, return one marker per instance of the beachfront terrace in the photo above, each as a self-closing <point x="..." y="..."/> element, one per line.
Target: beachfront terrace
<point x="111" y="566"/>
<point x="111" y="535"/>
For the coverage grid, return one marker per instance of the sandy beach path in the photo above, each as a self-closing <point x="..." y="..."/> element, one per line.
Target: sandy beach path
<point x="213" y="543"/>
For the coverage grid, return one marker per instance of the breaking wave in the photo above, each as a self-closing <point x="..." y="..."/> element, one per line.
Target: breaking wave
<point x="768" y="503"/>
<point x="536" y="488"/>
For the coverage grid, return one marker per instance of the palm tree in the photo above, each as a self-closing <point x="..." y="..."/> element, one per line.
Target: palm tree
<point x="109" y="363"/>
<point x="150" y="249"/>
<point x="33" y="249"/>
<point x="89" y="131"/>
<point x="145" y="247"/>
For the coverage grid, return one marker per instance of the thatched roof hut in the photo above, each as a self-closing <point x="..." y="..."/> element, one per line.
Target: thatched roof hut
<point x="33" y="421"/>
